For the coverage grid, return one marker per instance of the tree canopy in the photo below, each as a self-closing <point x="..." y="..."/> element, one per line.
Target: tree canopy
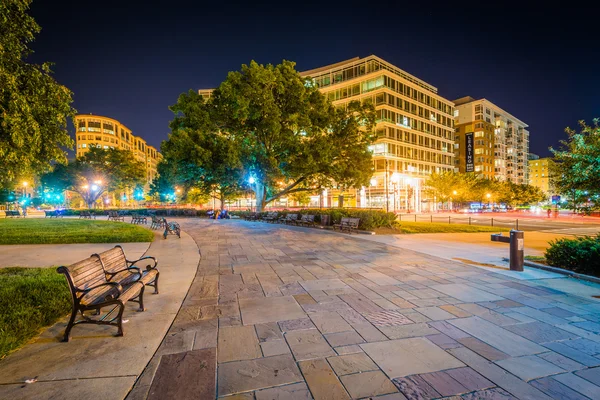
<point x="96" y="172"/>
<point x="34" y="108"/>
<point x="576" y="168"/>
<point x="272" y="130"/>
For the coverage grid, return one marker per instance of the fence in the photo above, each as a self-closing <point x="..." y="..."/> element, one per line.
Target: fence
<point x="459" y="220"/>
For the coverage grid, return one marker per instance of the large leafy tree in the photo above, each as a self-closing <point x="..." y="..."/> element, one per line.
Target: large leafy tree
<point x="201" y="157"/>
<point x="290" y="137"/>
<point x="576" y="170"/>
<point x="34" y="108"/>
<point x="97" y="172"/>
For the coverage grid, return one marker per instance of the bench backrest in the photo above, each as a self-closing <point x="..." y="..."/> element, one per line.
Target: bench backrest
<point x="113" y="260"/>
<point x="292" y="216"/>
<point x="84" y="274"/>
<point x="310" y="218"/>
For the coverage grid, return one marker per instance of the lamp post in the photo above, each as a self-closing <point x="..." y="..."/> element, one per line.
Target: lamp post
<point x="373" y="183"/>
<point x="394" y="179"/>
<point x="488" y="197"/>
<point x="25" y="189"/>
<point x="452" y="201"/>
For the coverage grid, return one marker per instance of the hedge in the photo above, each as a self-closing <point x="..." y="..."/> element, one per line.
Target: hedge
<point x="581" y="255"/>
<point x="144" y="211"/>
<point x="369" y="219"/>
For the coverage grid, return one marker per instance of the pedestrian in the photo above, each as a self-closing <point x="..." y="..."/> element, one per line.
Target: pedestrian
<point x="549" y="212"/>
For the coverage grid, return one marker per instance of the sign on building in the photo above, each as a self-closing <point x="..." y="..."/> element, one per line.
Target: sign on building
<point x="555" y="199"/>
<point x="469" y="152"/>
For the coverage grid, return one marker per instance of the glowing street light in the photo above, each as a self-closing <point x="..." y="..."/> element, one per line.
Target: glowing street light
<point x="94" y="187"/>
<point x="251" y="180"/>
<point x="373" y="183"/>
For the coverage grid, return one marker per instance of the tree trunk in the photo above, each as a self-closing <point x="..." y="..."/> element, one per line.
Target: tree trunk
<point x="261" y="196"/>
<point x="341" y="201"/>
<point x="222" y="200"/>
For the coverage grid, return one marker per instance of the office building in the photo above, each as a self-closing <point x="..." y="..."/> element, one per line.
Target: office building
<point x="96" y="130"/>
<point x="539" y="174"/>
<point x="490" y="141"/>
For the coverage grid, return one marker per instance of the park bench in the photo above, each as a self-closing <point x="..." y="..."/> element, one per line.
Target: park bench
<point x="171" y="228"/>
<point x="157" y="222"/>
<point x="86" y="215"/>
<point x="289" y="219"/>
<point x="119" y="269"/>
<point x="271" y="217"/>
<point x="12" y="214"/>
<point x="52" y="214"/>
<point x="347" y="224"/>
<point x="306" y="220"/>
<point x="251" y="216"/>
<point x="115" y="216"/>
<point x="138" y="219"/>
<point x="92" y="291"/>
<point x="189" y="213"/>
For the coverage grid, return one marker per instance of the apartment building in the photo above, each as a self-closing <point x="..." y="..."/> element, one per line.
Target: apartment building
<point x="490" y="141"/>
<point x="539" y="174"/>
<point x="415" y="128"/>
<point x="96" y="130"/>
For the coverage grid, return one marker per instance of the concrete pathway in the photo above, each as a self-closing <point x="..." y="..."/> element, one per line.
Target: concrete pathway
<point x="47" y="255"/>
<point x="295" y="313"/>
<point x="94" y="364"/>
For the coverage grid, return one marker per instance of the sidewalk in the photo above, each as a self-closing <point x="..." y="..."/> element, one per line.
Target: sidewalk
<point x="95" y="364"/>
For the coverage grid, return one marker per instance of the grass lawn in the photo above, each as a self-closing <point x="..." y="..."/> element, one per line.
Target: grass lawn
<point x="63" y="231"/>
<point x="30" y="299"/>
<point x="428" y="227"/>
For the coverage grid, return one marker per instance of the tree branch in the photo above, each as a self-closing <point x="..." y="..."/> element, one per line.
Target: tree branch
<point x="289" y="189"/>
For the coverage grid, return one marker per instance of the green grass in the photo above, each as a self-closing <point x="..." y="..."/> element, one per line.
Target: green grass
<point x="63" y="231"/>
<point x="428" y="227"/>
<point x="30" y="299"/>
<point x="536" y="259"/>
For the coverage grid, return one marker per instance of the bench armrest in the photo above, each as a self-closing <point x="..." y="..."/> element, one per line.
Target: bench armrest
<point x="133" y="270"/>
<point x="130" y="262"/>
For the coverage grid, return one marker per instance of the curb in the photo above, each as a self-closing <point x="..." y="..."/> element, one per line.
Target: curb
<point x="561" y="271"/>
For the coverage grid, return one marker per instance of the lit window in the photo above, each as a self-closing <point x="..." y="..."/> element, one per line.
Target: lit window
<point x="106" y="147"/>
<point x="84" y="145"/>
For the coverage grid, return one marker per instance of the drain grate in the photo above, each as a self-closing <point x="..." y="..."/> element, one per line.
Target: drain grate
<point x="387" y="318"/>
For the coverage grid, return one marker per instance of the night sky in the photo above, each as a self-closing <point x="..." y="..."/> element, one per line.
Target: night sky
<point x="129" y="60"/>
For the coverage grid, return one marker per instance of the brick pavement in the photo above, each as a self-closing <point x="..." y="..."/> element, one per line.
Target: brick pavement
<point x="295" y="313"/>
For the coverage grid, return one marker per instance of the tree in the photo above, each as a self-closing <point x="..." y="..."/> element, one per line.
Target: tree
<point x="200" y="156"/>
<point x="34" y="108"/>
<point x="444" y="186"/>
<point x="302" y="198"/>
<point x="98" y="171"/>
<point x="576" y="170"/>
<point x="287" y="131"/>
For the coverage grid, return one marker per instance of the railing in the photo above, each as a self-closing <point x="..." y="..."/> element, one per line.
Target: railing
<point x="458" y="220"/>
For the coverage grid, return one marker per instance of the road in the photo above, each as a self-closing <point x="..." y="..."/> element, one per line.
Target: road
<point x="564" y="225"/>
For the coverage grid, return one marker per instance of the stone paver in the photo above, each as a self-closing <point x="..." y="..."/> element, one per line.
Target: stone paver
<point x="305" y="313"/>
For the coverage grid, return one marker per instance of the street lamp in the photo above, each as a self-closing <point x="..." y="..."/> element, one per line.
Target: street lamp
<point x="394" y="179"/>
<point x="251" y="181"/>
<point x="25" y="189"/>
<point x="488" y="197"/>
<point x="452" y="201"/>
<point x="373" y="183"/>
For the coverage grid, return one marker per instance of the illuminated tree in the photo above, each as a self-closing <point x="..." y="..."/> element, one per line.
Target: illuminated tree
<point x="34" y="108"/>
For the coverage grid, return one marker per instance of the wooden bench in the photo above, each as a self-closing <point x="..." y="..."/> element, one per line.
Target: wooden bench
<point x="306" y="220"/>
<point x="52" y="214"/>
<point x="157" y="222"/>
<point x="271" y="217"/>
<point x="92" y="291"/>
<point x="119" y="269"/>
<point x="289" y="219"/>
<point x="138" y="219"/>
<point x="86" y="215"/>
<point x="13" y="214"/>
<point x="171" y="228"/>
<point x="115" y="216"/>
<point x="251" y="216"/>
<point x="347" y="224"/>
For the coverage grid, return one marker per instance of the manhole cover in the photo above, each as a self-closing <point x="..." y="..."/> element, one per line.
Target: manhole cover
<point x="387" y="318"/>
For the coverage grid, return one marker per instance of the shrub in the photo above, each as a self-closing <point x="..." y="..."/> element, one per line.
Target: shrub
<point x="581" y="255"/>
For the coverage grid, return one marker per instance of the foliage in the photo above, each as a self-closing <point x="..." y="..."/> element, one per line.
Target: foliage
<point x="198" y="155"/>
<point x="576" y="170"/>
<point x="34" y="108"/>
<point x="470" y="187"/>
<point x="62" y="231"/>
<point x="302" y="198"/>
<point x="275" y="131"/>
<point x="581" y="255"/>
<point x="30" y="299"/>
<point x="96" y="172"/>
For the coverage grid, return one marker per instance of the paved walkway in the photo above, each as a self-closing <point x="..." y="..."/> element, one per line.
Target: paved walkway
<point x="95" y="364"/>
<point x="47" y="255"/>
<point x="292" y="313"/>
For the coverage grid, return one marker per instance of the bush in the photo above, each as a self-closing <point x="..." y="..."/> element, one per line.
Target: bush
<point x="581" y="255"/>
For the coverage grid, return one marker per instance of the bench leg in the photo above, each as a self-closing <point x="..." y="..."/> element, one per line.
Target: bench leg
<point x="120" y="320"/>
<point x="70" y="325"/>
<point x="141" y="299"/>
<point x="156" y="282"/>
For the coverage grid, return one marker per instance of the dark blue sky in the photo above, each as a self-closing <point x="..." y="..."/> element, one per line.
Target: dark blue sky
<point x="130" y="60"/>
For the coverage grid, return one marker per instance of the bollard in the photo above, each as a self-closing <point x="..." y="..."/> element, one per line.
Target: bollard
<point x="517" y="250"/>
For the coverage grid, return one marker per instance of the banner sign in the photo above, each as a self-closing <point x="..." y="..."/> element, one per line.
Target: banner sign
<point x="469" y="152"/>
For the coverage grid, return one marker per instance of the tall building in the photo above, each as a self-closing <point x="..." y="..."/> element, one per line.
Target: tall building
<point x="95" y="130"/>
<point x="415" y="127"/>
<point x="539" y="174"/>
<point x="490" y="141"/>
